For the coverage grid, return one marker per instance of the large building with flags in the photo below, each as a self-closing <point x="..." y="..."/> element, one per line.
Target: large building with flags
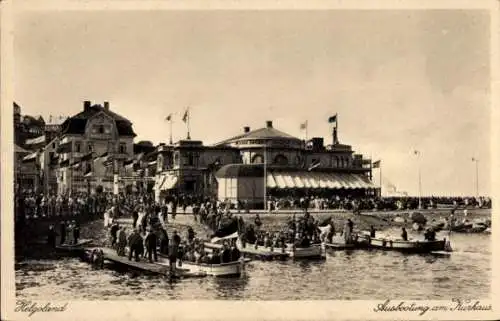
<point x="260" y="163"/>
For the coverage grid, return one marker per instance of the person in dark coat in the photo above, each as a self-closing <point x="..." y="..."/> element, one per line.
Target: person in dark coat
<point x="164" y="242"/>
<point x="76" y="232"/>
<point x="404" y="234"/>
<point x="190" y="234"/>
<point x="372" y="231"/>
<point x="151" y="241"/>
<point x="62" y="230"/>
<point x="113" y="232"/>
<point x="51" y="236"/>
<point x="135" y="217"/>
<point x="135" y="245"/>
<point x="235" y="253"/>
<point x="226" y="254"/>
<point x="173" y="250"/>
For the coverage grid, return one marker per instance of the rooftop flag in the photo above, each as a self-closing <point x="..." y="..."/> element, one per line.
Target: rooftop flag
<point x="376" y="164"/>
<point x="303" y="125"/>
<point x="169" y="117"/>
<point x="186" y="115"/>
<point x="332" y="119"/>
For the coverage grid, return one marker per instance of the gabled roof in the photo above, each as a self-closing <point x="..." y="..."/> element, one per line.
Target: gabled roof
<point x="77" y="123"/>
<point x="261" y="133"/>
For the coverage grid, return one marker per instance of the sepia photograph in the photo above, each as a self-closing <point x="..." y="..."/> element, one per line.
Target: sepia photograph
<point x="252" y="155"/>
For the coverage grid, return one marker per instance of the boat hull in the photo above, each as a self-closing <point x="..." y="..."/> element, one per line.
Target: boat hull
<point x="405" y="246"/>
<point x="315" y="251"/>
<point x="218" y="270"/>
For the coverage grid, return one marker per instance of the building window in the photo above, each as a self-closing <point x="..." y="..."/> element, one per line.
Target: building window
<point x="78" y="147"/>
<point x="101" y="129"/>
<point x="123" y="148"/>
<point x="257" y="159"/>
<point x="90" y="147"/>
<point x="281" y="160"/>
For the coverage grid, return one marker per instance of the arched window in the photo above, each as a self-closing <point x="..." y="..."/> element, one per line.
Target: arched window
<point x="281" y="160"/>
<point x="257" y="159"/>
<point x="336" y="161"/>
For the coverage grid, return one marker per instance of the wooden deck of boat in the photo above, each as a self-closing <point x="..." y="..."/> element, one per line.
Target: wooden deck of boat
<point x="155" y="268"/>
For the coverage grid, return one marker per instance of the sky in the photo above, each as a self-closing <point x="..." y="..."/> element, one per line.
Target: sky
<point x="399" y="80"/>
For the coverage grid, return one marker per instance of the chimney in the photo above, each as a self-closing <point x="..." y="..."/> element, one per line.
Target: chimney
<point x="106" y="105"/>
<point x="246" y="129"/>
<point x="86" y="105"/>
<point x="269" y="124"/>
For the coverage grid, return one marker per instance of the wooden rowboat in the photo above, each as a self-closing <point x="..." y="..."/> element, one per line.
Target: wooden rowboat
<point x="314" y="251"/>
<point x="411" y="246"/>
<point x="234" y="268"/>
<point x="260" y="253"/>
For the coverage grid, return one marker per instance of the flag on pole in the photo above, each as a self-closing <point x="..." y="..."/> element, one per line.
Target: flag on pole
<point x="186" y="116"/>
<point x="376" y="164"/>
<point x="474" y="159"/>
<point x="169" y="117"/>
<point x="332" y="119"/>
<point x="303" y="125"/>
<point x="416" y="152"/>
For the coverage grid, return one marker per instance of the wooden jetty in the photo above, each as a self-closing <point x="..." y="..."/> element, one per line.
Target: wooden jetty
<point x="154" y="268"/>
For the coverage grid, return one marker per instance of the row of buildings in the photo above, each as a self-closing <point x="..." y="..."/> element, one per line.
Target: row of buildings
<point x="95" y="150"/>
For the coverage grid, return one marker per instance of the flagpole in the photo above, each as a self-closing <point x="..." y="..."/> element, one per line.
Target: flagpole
<point x="307" y="125"/>
<point x="265" y="176"/>
<point x="380" y="177"/>
<point x="188" y="117"/>
<point x="419" y="181"/>
<point x="475" y="160"/>
<point x="171" y="140"/>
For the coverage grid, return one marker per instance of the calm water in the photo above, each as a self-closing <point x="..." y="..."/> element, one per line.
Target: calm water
<point x="343" y="275"/>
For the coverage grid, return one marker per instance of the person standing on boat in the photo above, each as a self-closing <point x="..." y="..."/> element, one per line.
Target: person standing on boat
<point x="69" y="232"/>
<point x="173" y="251"/>
<point x="62" y="229"/>
<point x="404" y="234"/>
<point x="347" y="231"/>
<point x="76" y="232"/>
<point x="51" y="236"/>
<point x="372" y="231"/>
<point x="151" y="241"/>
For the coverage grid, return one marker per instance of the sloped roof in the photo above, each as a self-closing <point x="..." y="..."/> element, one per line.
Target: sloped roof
<point x="77" y="123"/>
<point x="261" y="133"/>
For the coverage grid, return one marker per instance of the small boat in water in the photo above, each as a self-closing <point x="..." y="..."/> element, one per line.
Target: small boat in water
<point x="235" y="268"/>
<point x="470" y="228"/>
<point x="313" y="251"/>
<point x="410" y="246"/>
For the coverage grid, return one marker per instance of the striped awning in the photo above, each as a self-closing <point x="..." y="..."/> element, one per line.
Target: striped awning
<point x="318" y="180"/>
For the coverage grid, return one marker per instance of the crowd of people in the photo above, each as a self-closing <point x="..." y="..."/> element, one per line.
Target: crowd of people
<point x="351" y="203"/>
